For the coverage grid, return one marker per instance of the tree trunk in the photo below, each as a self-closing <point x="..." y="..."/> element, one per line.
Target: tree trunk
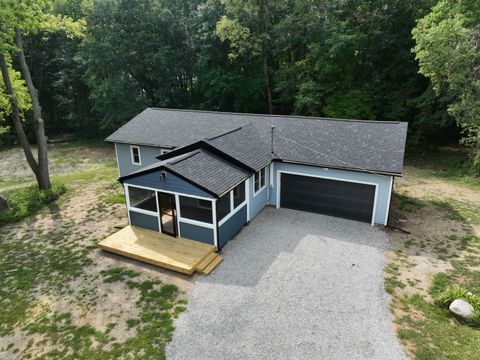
<point x="267" y="85"/>
<point x="17" y="124"/>
<point x="43" y="177"/>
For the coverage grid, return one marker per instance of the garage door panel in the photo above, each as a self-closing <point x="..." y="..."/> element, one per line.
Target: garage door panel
<point x="325" y="196"/>
<point x="328" y="197"/>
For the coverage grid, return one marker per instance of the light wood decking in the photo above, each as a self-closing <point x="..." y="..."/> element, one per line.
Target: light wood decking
<point x="177" y="254"/>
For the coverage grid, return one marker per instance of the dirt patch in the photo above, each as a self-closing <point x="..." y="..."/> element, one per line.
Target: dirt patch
<point x="433" y="213"/>
<point x="84" y="300"/>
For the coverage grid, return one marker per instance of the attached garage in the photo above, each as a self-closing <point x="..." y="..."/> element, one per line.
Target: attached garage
<point x="340" y="198"/>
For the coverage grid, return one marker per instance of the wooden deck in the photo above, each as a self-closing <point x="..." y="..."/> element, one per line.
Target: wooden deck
<point x="177" y="254"/>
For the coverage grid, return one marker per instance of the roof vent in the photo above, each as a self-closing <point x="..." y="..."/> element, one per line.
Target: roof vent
<point x="163" y="176"/>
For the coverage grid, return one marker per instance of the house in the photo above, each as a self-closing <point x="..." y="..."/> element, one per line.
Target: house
<point x="203" y="175"/>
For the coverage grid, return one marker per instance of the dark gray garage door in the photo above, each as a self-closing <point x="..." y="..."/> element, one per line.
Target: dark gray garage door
<point x="330" y="197"/>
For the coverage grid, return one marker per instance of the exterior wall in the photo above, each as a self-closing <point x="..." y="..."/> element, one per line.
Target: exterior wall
<point x="232" y="226"/>
<point x="148" y="156"/>
<point x="258" y="201"/>
<point x="171" y="184"/>
<point x="197" y="233"/>
<point x="143" y="220"/>
<point x="383" y="182"/>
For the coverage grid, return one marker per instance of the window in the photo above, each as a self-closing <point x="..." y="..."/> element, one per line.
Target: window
<point x="223" y="206"/>
<point x="259" y="180"/>
<point x="196" y="209"/>
<point x="238" y="194"/>
<point x="135" y="152"/>
<point x="142" y="198"/>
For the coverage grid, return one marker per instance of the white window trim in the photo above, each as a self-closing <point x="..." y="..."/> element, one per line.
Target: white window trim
<point x="232" y="197"/>
<point x="139" y="155"/>
<point x="127" y="202"/>
<point x="231" y="213"/>
<point x="171" y="192"/>
<point x="196" y="222"/>
<point x="255" y="193"/>
<point x="177" y="209"/>
<point x="214" y="220"/>
<point x="133" y="208"/>
<point x="247" y="197"/>
<point x="389" y="201"/>
<point x="279" y="172"/>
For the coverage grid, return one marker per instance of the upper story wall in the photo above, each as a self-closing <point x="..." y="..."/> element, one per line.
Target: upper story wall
<point x="148" y="156"/>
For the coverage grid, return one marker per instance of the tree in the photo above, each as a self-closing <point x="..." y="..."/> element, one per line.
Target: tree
<point x="448" y="50"/>
<point x="22" y="96"/>
<point x="248" y="27"/>
<point x="18" y="18"/>
<point x="133" y="64"/>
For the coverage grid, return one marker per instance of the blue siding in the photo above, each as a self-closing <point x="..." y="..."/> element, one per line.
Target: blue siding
<point x="144" y="221"/>
<point x="259" y="200"/>
<point x="148" y="156"/>
<point x="171" y="183"/>
<point x="232" y="226"/>
<point x="197" y="233"/>
<point x="383" y="182"/>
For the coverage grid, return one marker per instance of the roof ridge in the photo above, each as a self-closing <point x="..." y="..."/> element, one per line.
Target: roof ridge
<point x="225" y="133"/>
<point x="316" y="118"/>
<point x="177" y="160"/>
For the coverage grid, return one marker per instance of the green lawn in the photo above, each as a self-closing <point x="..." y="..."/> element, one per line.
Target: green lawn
<point x="61" y="298"/>
<point x="425" y="325"/>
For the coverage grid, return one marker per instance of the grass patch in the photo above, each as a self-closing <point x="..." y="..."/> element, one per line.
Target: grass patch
<point x="456" y="210"/>
<point x="26" y="202"/>
<point x="436" y="334"/>
<point x="447" y="163"/>
<point x="392" y="278"/>
<point x="117" y="274"/>
<point x="114" y="199"/>
<point x="26" y="265"/>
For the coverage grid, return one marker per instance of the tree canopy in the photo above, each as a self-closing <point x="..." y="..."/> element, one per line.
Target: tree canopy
<point x="448" y="49"/>
<point x="97" y="63"/>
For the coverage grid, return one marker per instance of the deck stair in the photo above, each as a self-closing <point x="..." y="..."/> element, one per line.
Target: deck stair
<point x="209" y="263"/>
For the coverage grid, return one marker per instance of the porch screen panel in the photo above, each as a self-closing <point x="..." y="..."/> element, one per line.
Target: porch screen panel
<point x="196" y="209"/>
<point x="142" y="198"/>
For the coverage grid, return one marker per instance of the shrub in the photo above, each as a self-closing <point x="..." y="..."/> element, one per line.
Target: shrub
<point x="453" y="292"/>
<point x="25" y="202"/>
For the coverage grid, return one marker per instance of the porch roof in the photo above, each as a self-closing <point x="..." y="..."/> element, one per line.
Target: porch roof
<point x="201" y="168"/>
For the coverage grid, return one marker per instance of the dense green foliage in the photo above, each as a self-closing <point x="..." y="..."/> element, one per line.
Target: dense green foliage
<point x="25" y="202"/>
<point x="342" y="58"/>
<point x="451" y="32"/>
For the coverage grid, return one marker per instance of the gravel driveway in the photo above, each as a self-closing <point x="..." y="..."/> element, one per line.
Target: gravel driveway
<point x="293" y="285"/>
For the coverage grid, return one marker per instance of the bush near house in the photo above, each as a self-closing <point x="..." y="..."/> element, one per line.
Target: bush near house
<point x="25" y="202"/>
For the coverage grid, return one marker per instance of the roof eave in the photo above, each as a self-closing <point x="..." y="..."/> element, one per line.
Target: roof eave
<point x="377" y="172"/>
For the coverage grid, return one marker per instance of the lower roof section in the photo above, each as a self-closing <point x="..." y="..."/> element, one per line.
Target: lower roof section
<point x="207" y="172"/>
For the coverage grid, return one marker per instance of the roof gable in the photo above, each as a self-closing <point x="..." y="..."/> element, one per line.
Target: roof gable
<point x="201" y="168"/>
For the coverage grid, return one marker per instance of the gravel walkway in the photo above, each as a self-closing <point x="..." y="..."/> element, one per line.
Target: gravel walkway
<point x="293" y="285"/>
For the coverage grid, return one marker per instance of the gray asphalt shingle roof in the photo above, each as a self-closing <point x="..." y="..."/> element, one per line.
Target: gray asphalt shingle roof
<point x="201" y="167"/>
<point x="209" y="171"/>
<point x="244" y="144"/>
<point x="362" y="145"/>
